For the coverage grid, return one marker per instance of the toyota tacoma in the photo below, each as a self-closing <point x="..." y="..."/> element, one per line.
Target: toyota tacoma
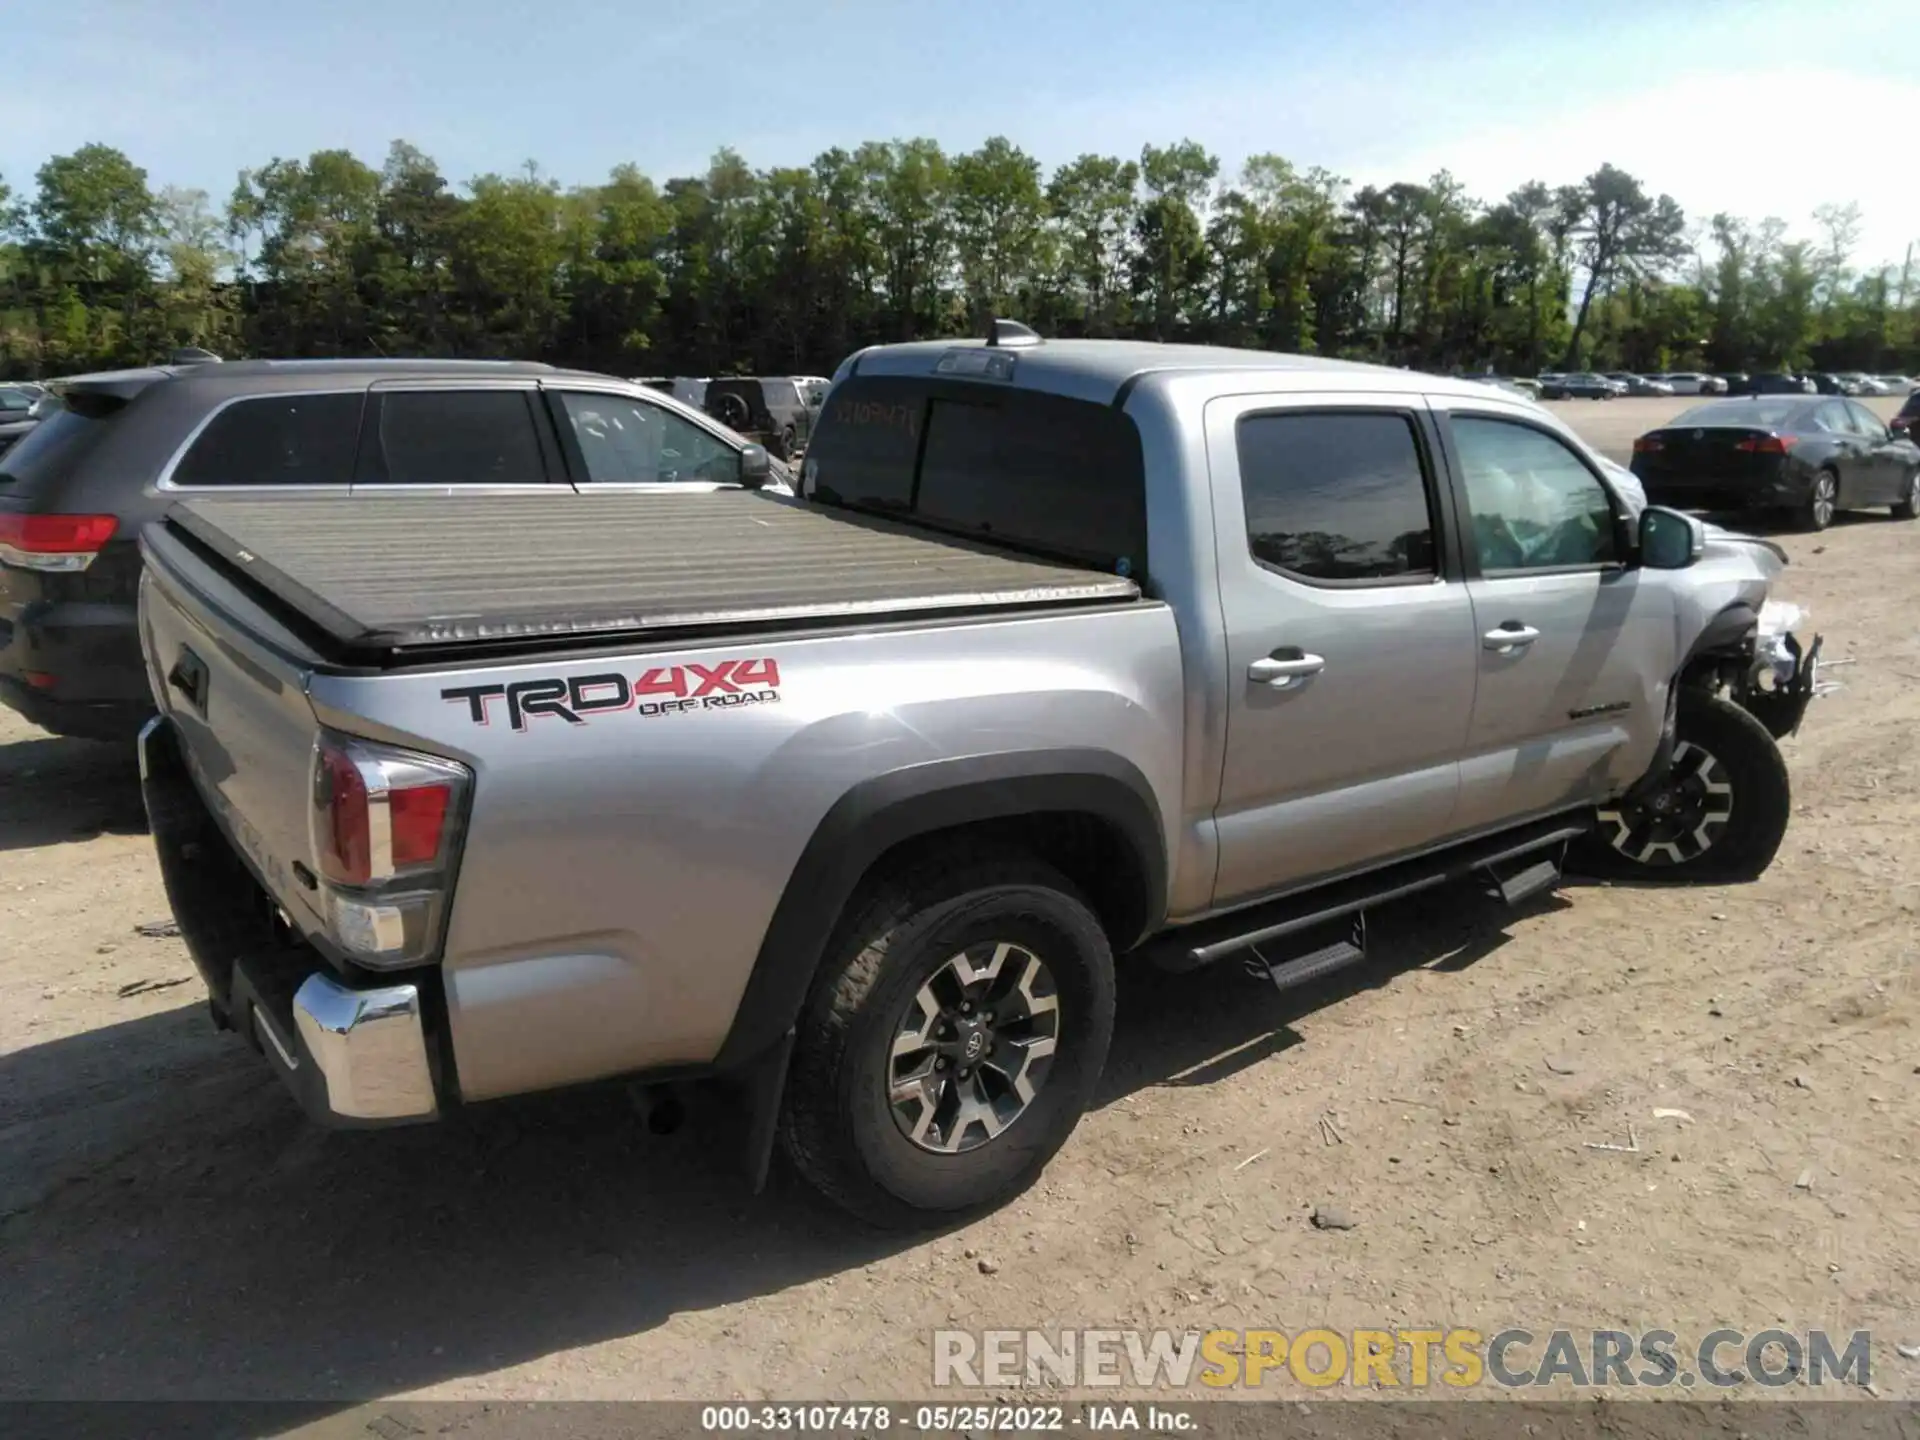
<point x="850" y="801"/>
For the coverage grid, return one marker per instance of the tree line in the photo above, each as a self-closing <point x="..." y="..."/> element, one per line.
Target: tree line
<point x="787" y="270"/>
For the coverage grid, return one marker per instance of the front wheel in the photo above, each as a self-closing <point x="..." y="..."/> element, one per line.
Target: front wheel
<point x="1908" y="506"/>
<point x="952" y="1042"/>
<point x="1718" y="815"/>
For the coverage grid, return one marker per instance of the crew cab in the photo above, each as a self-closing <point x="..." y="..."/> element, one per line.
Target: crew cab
<point x="850" y="801"/>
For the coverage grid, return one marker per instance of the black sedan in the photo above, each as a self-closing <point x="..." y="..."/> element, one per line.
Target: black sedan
<point x="1780" y="382"/>
<point x="1581" y="385"/>
<point x="1807" y="455"/>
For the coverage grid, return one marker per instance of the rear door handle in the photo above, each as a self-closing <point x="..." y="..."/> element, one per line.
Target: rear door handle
<point x="1280" y="671"/>
<point x="1509" y="637"/>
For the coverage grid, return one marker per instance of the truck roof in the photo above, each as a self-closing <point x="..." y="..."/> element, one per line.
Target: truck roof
<point x="384" y="577"/>
<point x="1099" y="370"/>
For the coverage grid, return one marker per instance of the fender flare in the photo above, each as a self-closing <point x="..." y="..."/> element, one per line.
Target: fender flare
<point x="878" y="814"/>
<point x="1730" y="627"/>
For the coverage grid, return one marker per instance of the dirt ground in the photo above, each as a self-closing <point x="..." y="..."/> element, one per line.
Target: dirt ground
<point x="170" y="1226"/>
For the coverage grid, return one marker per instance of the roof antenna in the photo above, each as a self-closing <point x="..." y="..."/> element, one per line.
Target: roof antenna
<point x="1011" y="334"/>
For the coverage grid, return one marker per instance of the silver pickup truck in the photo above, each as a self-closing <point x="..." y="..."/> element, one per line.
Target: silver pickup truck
<point x="848" y="801"/>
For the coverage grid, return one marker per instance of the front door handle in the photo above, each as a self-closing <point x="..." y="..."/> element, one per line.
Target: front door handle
<point x="1281" y="670"/>
<point x="1511" y="636"/>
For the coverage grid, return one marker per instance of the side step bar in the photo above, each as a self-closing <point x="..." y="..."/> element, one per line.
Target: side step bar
<point x="1492" y="858"/>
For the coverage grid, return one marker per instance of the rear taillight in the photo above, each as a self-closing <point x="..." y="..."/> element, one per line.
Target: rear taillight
<point x="53" y="542"/>
<point x="384" y="830"/>
<point x="1648" y="445"/>
<point x="1766" y="444"/>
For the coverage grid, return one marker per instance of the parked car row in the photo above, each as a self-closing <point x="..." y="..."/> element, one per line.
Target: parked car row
<point x="22" y="406"/>
<point x="1589" y="385"/>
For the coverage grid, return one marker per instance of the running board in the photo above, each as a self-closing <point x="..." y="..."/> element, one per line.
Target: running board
<point x="1286" y="974"/>
<point x="1193" y="946"/>
<point x="1524" y="884"/>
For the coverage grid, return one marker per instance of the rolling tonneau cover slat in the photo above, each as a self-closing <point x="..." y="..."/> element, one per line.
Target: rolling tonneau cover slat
<point x="392" y="574"/>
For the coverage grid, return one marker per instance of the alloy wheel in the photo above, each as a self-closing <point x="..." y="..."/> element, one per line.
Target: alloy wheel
<point x="1822" y="503"/>
<point x="973" y="1049"/>
<point x="1679" y="822"/>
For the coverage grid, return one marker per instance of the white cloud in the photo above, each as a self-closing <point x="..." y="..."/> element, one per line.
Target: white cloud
<point x="1753" y="143"/>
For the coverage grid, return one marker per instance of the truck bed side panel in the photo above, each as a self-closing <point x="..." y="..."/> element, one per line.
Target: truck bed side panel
<point x="622" y="865"/>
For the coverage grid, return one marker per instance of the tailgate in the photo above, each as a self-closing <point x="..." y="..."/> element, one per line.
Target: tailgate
<point x="234" y="684"/>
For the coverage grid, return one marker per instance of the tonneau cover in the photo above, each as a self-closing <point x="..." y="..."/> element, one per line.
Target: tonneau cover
<point x="390" y="574"/>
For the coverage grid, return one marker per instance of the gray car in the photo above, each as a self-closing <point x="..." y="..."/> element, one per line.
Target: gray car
<point x="125" y="446"/>
<point x="849" y="803"/>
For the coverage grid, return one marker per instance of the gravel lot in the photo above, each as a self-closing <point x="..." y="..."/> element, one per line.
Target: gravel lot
<point x="171" y="1226"/>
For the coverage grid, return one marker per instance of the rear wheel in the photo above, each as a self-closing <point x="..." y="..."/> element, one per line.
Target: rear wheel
<point x="1908" y="506"/>
<point x="1720" y="811"/>
<point x="952" y="1042"/>
<point x="1823" y="500"/>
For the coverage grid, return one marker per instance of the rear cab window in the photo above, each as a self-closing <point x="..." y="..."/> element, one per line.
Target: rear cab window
<point x="274" y="440"/>
<point x="1040" y="473"/>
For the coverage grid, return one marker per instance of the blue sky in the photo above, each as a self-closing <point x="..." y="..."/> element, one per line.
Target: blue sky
<point x="1754" y="106"/>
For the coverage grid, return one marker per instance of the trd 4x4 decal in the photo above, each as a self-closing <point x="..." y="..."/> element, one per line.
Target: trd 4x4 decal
<point x="661" y="690"/>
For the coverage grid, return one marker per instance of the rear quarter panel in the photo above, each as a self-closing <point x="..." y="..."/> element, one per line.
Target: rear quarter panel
<point x="619" y="873"/>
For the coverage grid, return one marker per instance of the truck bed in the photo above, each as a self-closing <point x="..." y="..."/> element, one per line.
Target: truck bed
<point x="388" y="577"/>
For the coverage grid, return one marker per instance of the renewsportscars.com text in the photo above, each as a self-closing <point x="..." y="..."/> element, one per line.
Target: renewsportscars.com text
<point x="1415" y="1359"/>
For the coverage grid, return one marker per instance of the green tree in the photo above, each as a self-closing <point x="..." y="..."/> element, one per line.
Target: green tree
<point x="1093" y="200"/>
<point x="999" y="227"/>
<point x="1621" y="230"/>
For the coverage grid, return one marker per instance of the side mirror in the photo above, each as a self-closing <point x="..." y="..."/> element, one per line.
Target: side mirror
<point x="1670" y="540"/>
<point x="756" y="466"/>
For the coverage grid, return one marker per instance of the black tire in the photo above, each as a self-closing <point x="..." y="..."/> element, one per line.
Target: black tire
<point x="733" y="411"/>
<point x="839" y="1125"/>
<point x="788" y="441"/>
<point x="1909" y="508"/>
<point x="1641" y="842"/>
<point x="1813" y="515"/>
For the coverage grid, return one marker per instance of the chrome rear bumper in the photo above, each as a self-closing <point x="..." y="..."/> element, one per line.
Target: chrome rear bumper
<point x="352" y="1057"/>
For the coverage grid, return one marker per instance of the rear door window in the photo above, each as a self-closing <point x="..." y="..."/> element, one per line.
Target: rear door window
<point x="1034" y="471"/>
<point x="1833" y="419"/>
<point x="442" y="438"/>
<point x="1334" y="497"/>
<point x="276" y="440"/>
<point x="1865" y="422"/>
